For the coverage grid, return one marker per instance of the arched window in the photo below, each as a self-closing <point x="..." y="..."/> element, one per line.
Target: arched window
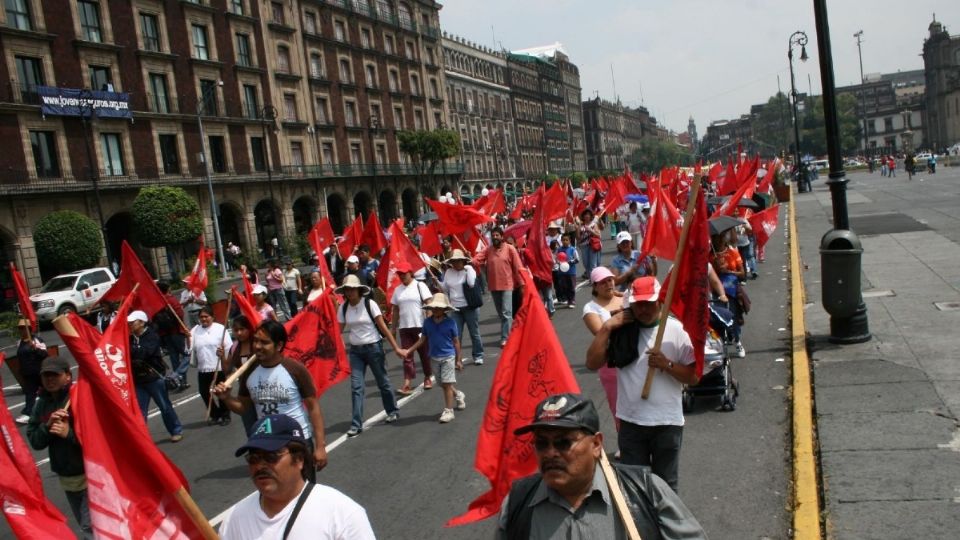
<point x="405" y="16"/>
<point x="283" y="59"/>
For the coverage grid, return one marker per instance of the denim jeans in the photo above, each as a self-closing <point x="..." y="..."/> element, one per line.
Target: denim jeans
<point x="749" y="261"/>
<point x="470" y="317"/>
<point x="657" y="447"/>
<point x="174" y="345"/>
<point x="362" y="357"/>
<point x="503" y="302"/>
<point x="157" y="390"/>
<point x="591" y="258"/>
<point x="546" y="294"/>
<point x="80" y="507"/>
<point x="291" y="301"/>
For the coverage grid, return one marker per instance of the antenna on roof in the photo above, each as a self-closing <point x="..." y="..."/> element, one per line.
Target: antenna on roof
<point x="641" y="93"/>
<point x="614" y="79"/>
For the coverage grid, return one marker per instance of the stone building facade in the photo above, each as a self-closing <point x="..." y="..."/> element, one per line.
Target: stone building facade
<point x="300" y="103"/>
<point x="894" y="107"/>
<point x="613" y="133"/>
<point x="941" y="61"/>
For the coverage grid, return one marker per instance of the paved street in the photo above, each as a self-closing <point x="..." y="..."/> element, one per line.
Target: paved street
<point x="887" y="409"/>
<point x="414" y="475"/>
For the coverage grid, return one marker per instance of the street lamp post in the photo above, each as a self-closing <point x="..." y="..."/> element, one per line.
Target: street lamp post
<point x="373" y="127"/>
<point x="840" y="248"/>
<point x="86" y="114"/>
<point x="863" y="102"/>
<point x="269" y="113"/>
<point x="206" y="172"/>
<point x="797" y="38"/>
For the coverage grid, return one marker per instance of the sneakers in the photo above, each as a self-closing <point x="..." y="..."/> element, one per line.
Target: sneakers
<point x="741" y="352"/>
<point x="446" y="416"/>
<point x="23" y="419"/>
<point x="353" y="432"/>
<point x="503" y="343"/>
<point x="478" y="361"/>
<point x="392" y="417"/>
<point x="461" y="400"/>
<point x="176" y="438"/>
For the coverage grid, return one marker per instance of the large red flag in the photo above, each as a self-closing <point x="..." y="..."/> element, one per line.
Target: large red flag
<point x="28" y="511"/>
<point x="532" y="367"/>
<point x="554" y="202"/>
<point x="714" y="172"/>
<point x="23" y="297"/>
<point x="196" y="282"/>
<point x="319" y="240"/>
<point x="430" y="239"/>
<point x="769" y="176"/>
<point x="246" y="307"/>
<point x="314" y="340"/>
<point x="492" y="203"/>
<point x="727" y="183"/>
<point x="134" y="489"/>
<point x="373" y="234"/>
<point x="132" y="272"/>
<point x="764" y="223"/>
<point x="692" y="293"/>
<point x="663" y="227"/>
<point x="456" y="218"/>
<point x="539" y="258"/>
<point x="745" y="191"/>
<point x="351" y="237"/>
<point x="400" y="249"/>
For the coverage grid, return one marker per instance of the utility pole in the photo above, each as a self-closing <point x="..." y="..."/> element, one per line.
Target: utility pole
<point x="863" y="103"/>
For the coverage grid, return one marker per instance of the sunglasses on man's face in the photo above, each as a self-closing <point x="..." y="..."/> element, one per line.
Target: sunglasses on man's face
<point x="270" y="458"/>
<point x="562" y="444"/>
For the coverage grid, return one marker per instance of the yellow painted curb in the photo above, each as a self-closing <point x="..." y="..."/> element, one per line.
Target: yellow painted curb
<point x="806" y="492"/>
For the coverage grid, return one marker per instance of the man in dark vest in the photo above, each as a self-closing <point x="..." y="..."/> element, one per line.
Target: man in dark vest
<point x="570" y="498"/>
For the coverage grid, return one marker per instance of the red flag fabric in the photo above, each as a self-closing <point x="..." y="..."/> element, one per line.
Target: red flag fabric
<point x="246" y="307"/>
<point x="532" y="367"/>
<point x="400" y="249"/>
<point x="537" y="254"/>
<point x="456" y="218"/>
<point x="196" y="282"/>
<point x="132" y="491"/>
<point x="28" y="511"/>
<point x="764" y="224"/>
<point x="727" y="183"/>
<point x="616" y="196"/>
<point x="554" y="202"/>
<point x="714" y="173"/>
<point x="373" y="234"/>
<point x="247" y="289"/>
<point x="132" y="272"/>
<point x="319" y="238"/>
<point x="663" y="226"/>
<point x="745" y="191"/>
<point x="351" y="237"/>
<point x="314" y="340"/>
<point x="492" y="203"/>
<point x="23" y="298"/>
<point x="430" y="239"/>
<point x="771" y="173"/>
<point x="692" y="293"/>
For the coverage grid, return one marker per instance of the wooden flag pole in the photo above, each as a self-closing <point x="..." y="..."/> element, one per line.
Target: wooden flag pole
<point x="240" y="371"/>
<point x="190" y="507"/>
<point x="216" y="370"/>
<point x="672" y="287"/>
<point x="613" y="486"/>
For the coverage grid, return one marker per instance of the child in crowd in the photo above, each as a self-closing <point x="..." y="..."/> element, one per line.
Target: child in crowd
<point x="566" y="285"/>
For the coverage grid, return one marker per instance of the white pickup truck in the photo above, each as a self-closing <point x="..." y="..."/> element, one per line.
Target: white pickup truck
<point x="77" y="291"/>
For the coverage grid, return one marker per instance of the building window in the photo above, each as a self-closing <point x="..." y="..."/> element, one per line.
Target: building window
<point x="112" y="154"/>
<point x="326" y="150"/>
<point x="169" y="154"/>
<point x="418" y="119"/>
<point x="371" y="76"/>
<point x="322" y="114"/>
<point x="376" y="112"/>
<point x="290" y="107"/>
<point x="356" y="156"/>
<point x="394" y="80"/>
<point x="200" y="50"/>
<point x="257" y="149"/>
<point x="101" y="78"/>
<point x="316" y="67"/>
<point x="218" y="155"/>
<point x="406" y="19"/>
<point x="44" y="145"/>
<point x="339" y="30"/>
<point x="345" y="75"/>
<point x="381" y="154"/>
<point x="243" y="50"/>
<point x="398" y="118"/>
<point x="208" y="97"/>
<point x="310" y="22"/>
<point x="350" y="117"/>
<point x="409" y="51"/>
<point x="296" y="154"/>
<point x="158" y="98"/>
<point x="250" y="107"/>
<point x="365" y="40"/>
<point x="430" y="57"/>
<point x="30" y="73"/>
<point x="151" y="32"/>
<point x="388" y="44"/>
<point x="236" y="7"/>
<point x="283" y="59"/>
<point x="90" y="20"/>
<point x="434" y="89"/>
<point x="276" y="12"/>
<point x="18" y="15"/>
<point x="414" y="84"/>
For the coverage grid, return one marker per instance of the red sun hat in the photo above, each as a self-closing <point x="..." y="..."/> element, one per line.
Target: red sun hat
<point x="403" y="267"/>
<point x="645" y="289"/>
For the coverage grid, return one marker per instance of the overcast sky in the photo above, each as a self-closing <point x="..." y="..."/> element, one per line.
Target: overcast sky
<point x="710" y="59"/>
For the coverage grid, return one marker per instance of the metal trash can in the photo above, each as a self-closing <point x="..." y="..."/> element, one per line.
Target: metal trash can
<point x="840" y="254"/>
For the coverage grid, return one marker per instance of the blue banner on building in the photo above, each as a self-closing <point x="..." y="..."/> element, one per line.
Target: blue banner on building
<point x="74" y="102"/>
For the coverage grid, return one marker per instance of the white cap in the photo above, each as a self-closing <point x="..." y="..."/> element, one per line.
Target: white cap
<point x="137" y="316"/>
<point x="353" y="259"/>
<point x="259" y="289"/>
<point x="623" y="236"/>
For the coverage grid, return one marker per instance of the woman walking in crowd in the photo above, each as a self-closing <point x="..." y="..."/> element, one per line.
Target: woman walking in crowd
<point x="729" y="268"/>
<point x="260" y="298"/>
<point x="590" y="234"/>
<point x="408" y="300"/>
<point x="30" y="351"/>
<point x="275" y="296"/>
<point x="458" y="274"/>
<point x="292" y="285"/>
<point x="237" y="355"/>
<point x="606" y="302"/>
<point x="361" y="318"/>
<point x="210" y="339"/>
<point x="316" y="287"/>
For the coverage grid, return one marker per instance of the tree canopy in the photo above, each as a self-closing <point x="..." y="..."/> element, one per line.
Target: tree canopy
<point x="655" y="154"/>
<point x="166" y="216"/>
<point x="67" y="241"/>
<point x="428" y="148"/>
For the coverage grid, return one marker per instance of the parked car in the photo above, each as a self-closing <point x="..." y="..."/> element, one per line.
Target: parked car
<point x="922" y="158"/>
<point x="77" y="291"/>
<point x="954" y="150"/>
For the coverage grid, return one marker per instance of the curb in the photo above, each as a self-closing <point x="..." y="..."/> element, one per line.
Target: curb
<point x="806" y="483"/>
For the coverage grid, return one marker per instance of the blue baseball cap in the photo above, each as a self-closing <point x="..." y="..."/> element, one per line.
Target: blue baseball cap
<point x="271" y="433"/>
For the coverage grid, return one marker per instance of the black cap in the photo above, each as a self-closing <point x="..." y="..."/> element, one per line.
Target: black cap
<point x="271" y="433"/>
<point x="565" y="411"/>
<point x="54" y="364"/>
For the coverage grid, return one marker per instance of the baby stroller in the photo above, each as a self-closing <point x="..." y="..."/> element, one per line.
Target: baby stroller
<point x="717" y="378"/>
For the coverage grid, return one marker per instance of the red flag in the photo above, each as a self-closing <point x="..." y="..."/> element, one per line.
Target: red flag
<point x="767" y="180"/>
<point x="663" y="227"/>
<point x="196" y="282"/>
<point x="692" y="293"/>
<point x="373" y="234"/>
<point x="247" y="289"/>
<point x="351" y="237"/>
<point x="246" y="307"/>
<point x="745" y="191"/>
<point x="492" y="203"/>
<point x="764" y="223"/>
<point x="554" y="202"/>
<point x="23" y="298"/>
<point x="320" y="237"/>
<point x="538" y="256"/>
<point x="456" y="218"/>
<point x="532" y="367"/>
<point x="133" y="492"/>
<point x="400" y="249"/>
<point x="616" y="196"/>
<point x="314" y="340"/>
<point x="714" y="173"/>
<point x="430" y="239"/>
<point x="132" y="272"/>
<point x="28" y="511"/>
<point x="727" y="183"/>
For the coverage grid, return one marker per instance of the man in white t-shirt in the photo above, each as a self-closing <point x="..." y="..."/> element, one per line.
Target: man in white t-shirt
<point x="651" y="429"/>
<point x="277" y="458"/>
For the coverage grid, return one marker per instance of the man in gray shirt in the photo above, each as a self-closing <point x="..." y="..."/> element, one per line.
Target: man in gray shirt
<point x="570" y="498"/>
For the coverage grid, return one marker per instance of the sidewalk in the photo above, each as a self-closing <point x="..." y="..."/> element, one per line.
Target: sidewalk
<point x="886" y="410"/>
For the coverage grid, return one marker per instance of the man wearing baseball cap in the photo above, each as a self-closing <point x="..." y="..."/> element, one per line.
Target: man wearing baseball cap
<point x="51" y="426"/>
<point x="570" y="497"/>
<point x="651" y="430"/>
<point x="286" y="504"/>
<point x="627" y="264"/>
<point x="148" y="369"/>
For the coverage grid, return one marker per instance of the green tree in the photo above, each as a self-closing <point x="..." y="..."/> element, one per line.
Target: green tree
<point x="655" y="154"/>
<point x="813" y="134"/>
<point x="774" y="124"/>
<point x="165" y="216"/>
<point x="428" y="148"/>
<point x="66" y="241"/>
<point x="577" y="179"/>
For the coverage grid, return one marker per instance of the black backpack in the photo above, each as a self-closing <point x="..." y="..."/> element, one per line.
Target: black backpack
<point x="366" y="303"/>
